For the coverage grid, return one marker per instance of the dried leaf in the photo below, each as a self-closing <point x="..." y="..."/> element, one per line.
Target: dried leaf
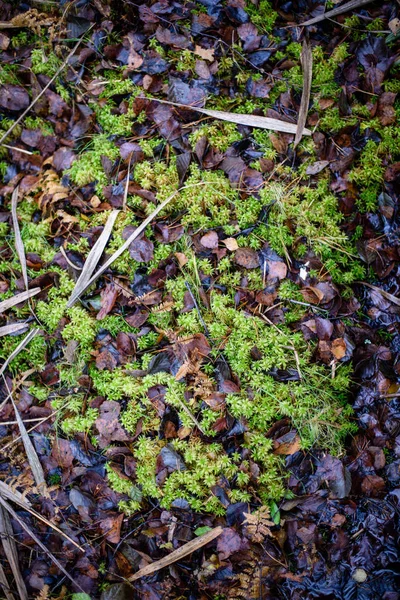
<point x="386" y="295"/>
<point x="231" y="244"/>
<point x="258" y="524"/>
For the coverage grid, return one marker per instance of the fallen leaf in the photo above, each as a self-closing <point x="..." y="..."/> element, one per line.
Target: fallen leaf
<point x="209" y="240"/>
<point x="205" y="53"/>
<point x="247" y="258"/>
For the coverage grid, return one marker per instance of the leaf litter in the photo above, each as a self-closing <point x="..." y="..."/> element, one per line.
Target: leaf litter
<point x="205" y="399"/>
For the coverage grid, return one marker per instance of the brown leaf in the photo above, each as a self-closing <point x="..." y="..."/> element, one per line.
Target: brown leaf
<point x="287" y="444"/>
<point x="338" y="348"/>
<point x="317" y="167"/>
<point x="105" y="360"/>
<point x="13" y="97"/>
<point x="228" y="543"/>
<point x="108" y="295"/>
<point x="209" y="240"/>
<point x="111" y="528"/>
<point x="231" y="244"/>
<point x="205" y="53"/>
<point x="108" y="424"/>
<point x="247" y="258"/>
<point x="276" y="269"/>
<point x="141" y="249"/>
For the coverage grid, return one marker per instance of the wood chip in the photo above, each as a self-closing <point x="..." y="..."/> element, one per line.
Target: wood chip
<point x="10" y="302"/>
<point x="92" y="260"/>
<point x="337" y="11"/>
<point x="19" y="246"/>
<point x="249" y="120"/>
<point x="178" y="554"/>
<point x="306" y="61"/>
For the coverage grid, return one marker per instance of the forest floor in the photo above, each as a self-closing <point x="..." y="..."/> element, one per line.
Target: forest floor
<point x="199" y="277"/>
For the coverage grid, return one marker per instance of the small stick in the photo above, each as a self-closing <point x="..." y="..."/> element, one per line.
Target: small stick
<point x="336" y="11"/>
<point x="178" y="554"/>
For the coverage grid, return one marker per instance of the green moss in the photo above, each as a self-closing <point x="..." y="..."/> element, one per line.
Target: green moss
<point x="88" y="168"/>
<point x="313" y="214"/>
<point x="44" y="64"/>
<point x="262" y="15"/>
<point x="220" y="135"/>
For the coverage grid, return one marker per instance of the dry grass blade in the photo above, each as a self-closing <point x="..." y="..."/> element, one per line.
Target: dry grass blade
<point x="13" y="328"/>
<point x="337" y="11"/>
<point x="19" y="246"/>
<point x="10" y="550"/>
<point x="19" y="348"/>
<point x="4" y="585"/>
<point x="249" y="120"/>
<point x="127" y="184"/>
<point x="92" y="260"/>
<point x="34" y="462"/>
<point x="176" y="555"/>
<point x="124" y="247"/>
<point x="15" y="496"/>
<point x="386" y="295"/>
<point x="10" y="302"/>
<point x="306" y="64"/>
<point x="44" y="90"/>
<point x="28" y="530"/>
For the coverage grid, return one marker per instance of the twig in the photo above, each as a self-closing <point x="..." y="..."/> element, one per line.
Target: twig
<point x="128" y="242"/>
<point x="22" y="150"/>
<point x="306" y="61"/>
<point x="44" y="90"/>
<point x="336" y="11"/>
<point x="187" y="284"/>
<point x="178" y="554"/>
<point x="18" y="498"/>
